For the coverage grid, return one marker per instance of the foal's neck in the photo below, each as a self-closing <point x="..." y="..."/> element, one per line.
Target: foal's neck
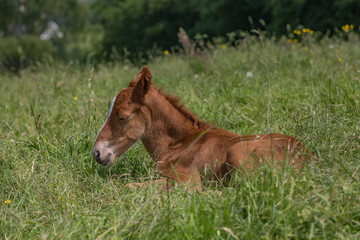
<point x="168" y="124"/>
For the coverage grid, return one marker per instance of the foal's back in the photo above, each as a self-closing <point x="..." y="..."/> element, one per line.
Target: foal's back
<point x="267" y="148"/>
<point x="221" y="150"/>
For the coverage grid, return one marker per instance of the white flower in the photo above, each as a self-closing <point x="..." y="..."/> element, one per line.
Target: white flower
<point x="249" y="74"/>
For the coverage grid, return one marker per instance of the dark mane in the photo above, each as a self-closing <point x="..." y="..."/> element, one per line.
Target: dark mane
<point x="175" y="102"/>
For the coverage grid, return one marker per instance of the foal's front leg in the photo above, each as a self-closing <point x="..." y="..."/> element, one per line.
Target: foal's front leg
<point x="182" y="176"/>
<point x="161" y="184"/>
<point x="186" y="176"/>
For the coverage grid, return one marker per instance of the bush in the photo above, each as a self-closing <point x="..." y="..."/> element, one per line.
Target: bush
<point x="17" y="53"/>
<point x="85" y="47"/>
<point x="137" y="26"/>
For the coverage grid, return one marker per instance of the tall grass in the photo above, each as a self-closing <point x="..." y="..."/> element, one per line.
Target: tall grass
<point x="50" y="116"/>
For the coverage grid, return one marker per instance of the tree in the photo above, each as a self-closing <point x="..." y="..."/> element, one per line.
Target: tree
<point x="139" y="25"/>
<point x="19" y="17"/>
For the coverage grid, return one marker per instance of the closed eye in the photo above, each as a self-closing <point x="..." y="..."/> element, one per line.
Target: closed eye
<point x="124" y="118"/>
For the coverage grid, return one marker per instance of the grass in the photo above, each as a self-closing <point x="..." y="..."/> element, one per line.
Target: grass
<point x="57" y="191"/>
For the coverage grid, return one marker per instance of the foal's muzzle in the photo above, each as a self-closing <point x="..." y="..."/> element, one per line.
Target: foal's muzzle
<point x="102" y="155"/>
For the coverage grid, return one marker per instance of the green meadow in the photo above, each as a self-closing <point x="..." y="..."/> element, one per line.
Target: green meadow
<point x="52" y="188"/>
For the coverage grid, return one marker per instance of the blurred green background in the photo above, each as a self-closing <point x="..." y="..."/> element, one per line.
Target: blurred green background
<point x="91" y="31"/>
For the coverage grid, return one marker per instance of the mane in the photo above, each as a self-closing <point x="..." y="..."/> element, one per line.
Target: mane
<point x="175" y="102"/>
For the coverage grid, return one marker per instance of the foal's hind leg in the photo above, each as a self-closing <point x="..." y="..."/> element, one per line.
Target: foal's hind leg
<point x="241" y="156"/>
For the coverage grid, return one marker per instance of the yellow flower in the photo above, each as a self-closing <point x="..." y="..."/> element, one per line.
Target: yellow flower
<point x="223" y="46"/>
<point x="340" y="59"/>
<point x="297" y="32"/>
<point x="306" y="48"/>
<point x="166" y="52"/>
<point x="347" y="27"/>
<point x="75" y="98"/>
<point x="7" y="201"/>
<point x="296" y="40"/>
<point x="307" y="30"/>
<point x="289" y="40"/>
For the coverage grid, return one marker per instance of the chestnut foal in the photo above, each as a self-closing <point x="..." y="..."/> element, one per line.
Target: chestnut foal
<point x="182" y="146"/>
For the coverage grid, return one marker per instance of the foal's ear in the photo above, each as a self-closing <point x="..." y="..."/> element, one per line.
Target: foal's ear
<point x="143" y="82"/>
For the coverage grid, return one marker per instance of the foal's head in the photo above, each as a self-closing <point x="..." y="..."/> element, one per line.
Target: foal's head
<point x="126" y="121"/>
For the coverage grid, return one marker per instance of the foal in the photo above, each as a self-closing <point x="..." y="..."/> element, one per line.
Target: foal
<point x="182" y="146"/>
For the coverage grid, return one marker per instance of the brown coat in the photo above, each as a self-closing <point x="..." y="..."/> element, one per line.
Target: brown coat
<point x="182" y="146"/>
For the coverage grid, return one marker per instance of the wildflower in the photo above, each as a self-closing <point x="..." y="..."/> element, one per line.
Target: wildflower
<point x="307" y="30"/>
<point x="306" y="48"/>
<point x="296" y="40"/>
<point x="223" y="46"/>
<point x="249" y="74"/>
<point x="289" y="40"/>
<point x="7" y="202"/>
<point x="340" y="59"/>
<point x="166" y="52"/>
<point x="297" y="32"/>
<point x="347" y="27"/>
<point x="75" y="98"/>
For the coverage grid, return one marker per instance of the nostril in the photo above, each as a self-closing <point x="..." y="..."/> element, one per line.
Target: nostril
<point x="97" y="154"/>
